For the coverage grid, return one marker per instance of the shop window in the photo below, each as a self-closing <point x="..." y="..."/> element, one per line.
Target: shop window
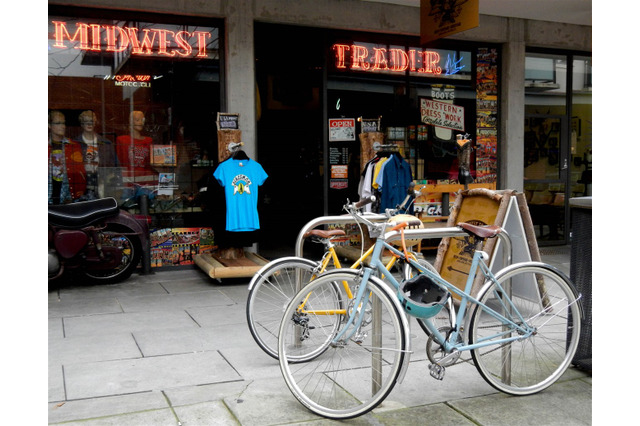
<point x="132" y="109"/>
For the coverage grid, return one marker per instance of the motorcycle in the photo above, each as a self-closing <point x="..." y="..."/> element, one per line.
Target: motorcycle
<point x="97" y="238"/>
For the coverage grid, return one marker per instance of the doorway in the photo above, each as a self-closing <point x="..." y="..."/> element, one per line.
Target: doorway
<point x="557" y="140"/>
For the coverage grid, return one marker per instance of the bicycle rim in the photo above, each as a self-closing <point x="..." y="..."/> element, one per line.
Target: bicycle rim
<point x="269" y="297"/>
<point x="547" y="302"/>
<point x="348" y="379"/>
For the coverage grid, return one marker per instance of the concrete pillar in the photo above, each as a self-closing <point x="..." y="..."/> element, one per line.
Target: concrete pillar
<point x="511" y="143"/>
<point x="240" y="70"/>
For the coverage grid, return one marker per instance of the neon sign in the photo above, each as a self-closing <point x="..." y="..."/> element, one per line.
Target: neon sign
<point x="359" y="57"/>
<point x="144" y="42"/>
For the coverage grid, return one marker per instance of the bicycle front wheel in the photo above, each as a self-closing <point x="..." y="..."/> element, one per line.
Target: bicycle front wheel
<point x="352" y="375"/>
<point x="270" y="295"/>
<point x="547" y="306"/>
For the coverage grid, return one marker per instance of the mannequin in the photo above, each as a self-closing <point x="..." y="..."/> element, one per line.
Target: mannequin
<point x="96" y="151"/>
<point x="133" y="152"/>
<point x="66" y="178"/>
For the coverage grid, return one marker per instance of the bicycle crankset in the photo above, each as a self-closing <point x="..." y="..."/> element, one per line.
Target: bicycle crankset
<point x="436" y="353"/>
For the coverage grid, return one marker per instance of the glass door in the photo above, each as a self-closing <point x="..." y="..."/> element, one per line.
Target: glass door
<point x="557" y="139"/>
<point x="545" y="175"/>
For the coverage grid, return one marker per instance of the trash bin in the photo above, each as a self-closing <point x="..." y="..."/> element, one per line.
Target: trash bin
<point x="580" y="272"/>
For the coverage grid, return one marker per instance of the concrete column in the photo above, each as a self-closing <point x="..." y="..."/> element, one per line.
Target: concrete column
<point x="240" y="70"/>
<point x="511" y="143"/>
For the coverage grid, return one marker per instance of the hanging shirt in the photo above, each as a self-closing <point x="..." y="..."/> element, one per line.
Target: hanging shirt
<point x="396" y="180"/>
<point x="240" y="180"/>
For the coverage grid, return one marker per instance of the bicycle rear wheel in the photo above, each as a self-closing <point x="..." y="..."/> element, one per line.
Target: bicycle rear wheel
<point x="352" y="376"/>
<point x="547" y="302"/>
<point x="270" y="294"/>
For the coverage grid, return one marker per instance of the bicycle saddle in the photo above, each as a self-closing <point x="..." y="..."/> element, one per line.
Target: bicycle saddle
<point x="324" y="234"/>
<point x="487" y="231"/>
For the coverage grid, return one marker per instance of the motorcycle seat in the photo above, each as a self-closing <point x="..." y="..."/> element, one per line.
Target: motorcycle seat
<point x="83" y="213"/>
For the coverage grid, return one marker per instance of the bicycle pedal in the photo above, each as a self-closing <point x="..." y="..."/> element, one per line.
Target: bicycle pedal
<point x="436" y="371"/>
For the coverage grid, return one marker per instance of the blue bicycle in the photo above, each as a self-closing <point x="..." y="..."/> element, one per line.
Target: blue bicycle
<point x="342" y="357"/>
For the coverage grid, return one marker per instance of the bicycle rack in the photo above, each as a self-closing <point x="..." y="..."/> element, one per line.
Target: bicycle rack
<point x="426" y="233"/>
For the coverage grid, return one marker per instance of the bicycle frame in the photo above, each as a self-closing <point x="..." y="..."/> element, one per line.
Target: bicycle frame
<point x="355" y="319"/>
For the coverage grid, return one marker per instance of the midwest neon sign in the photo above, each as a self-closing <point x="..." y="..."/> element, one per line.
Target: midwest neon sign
<point x="143" y="42"/>
<point x="358" y="57"/>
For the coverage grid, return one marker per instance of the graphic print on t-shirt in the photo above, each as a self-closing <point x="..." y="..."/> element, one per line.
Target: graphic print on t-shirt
<point x="241" y="185"/>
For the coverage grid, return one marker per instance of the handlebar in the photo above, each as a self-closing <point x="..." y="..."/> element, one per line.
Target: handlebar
<point x="360" y="204"/>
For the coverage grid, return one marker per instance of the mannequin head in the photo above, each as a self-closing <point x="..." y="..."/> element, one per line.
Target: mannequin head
<point x="57" y="126"/>
<point x="136" y="121"/>
<point x="88" y="122"/>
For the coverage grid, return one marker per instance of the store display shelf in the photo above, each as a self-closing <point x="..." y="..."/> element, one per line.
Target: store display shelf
<point x="217" y="267"/>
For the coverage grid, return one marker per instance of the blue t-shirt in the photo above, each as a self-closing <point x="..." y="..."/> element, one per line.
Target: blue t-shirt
<point x="240" y="180"/>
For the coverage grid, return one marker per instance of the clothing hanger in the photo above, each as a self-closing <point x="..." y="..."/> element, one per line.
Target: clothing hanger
<point x="240" y="155"/>
<point x="236" y="152"/>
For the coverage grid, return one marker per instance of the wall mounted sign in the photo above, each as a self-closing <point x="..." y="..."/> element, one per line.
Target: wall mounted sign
<point x="390" y="59"/>
<point x="342" y="129"/>
<point x="439" y="19"/>
<point x="442" y="114"/>
<point x="154" y="41"/>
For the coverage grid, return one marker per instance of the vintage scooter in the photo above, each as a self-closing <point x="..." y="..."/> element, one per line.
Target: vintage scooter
<point x="97" y="238"/>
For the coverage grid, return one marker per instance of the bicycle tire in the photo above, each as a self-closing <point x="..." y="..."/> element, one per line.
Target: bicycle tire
<point x="548" y="301"/>
<point x="342" y="382"/>
<point x="271" y="290"/>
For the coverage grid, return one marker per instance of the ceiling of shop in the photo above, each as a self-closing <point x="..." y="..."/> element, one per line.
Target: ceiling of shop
<point x="565" y="11"/>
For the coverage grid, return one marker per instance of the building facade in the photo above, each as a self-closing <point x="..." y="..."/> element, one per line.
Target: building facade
<point x="303" y="77"/>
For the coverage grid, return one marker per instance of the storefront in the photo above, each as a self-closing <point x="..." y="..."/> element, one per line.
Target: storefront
<point x="416" y="100"/>
<point x="305" y="86"/>
<point x="133" y="100"/>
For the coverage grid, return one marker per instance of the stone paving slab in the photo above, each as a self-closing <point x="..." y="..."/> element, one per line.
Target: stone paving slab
<point x="95" y="379"/>
<point x="92" y="348"/>
<point x="563" y="404"/>
<point x="127" y="322"/>
<point x="106" y="406"/>
<point x="210" y="298"/>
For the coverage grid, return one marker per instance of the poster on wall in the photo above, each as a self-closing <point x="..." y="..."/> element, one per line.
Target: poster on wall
<point x="342" y="129"/>
<point x="178" y="246"/>
<point x="339" y="168"/>
<point x="487" y="115"/>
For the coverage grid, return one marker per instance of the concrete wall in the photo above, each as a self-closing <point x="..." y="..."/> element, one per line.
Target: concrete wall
<point x="513" y="34"/>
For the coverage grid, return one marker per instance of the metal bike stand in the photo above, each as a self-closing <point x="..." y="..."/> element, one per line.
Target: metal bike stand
<point x="389" y="237"/>
<point x="457" y="232"/>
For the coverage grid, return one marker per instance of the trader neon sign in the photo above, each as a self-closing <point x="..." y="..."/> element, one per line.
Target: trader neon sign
<point x="144" y="42"/>
<point x="359" y="57"/>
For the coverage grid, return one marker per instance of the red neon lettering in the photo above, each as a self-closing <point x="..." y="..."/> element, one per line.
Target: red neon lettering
<point x="95" y="37"/>
<point x="340" y="49"/>
<point x="81" y="35"/>
<point x="182" y="42"/>
<point x="152" y="41"/>
<point x="139" y="48"/>
<point x="399" y="59"/>
<point x="163" y="43"/>
<point x="430" y="61"/>
<point x="394" y="60"/>
<point x="202" y="43"/>
<point x="412" y="60"/>
<point x="112" y="39"/>
<point x="380" y="59"/>
<point x="359" y="54"/>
